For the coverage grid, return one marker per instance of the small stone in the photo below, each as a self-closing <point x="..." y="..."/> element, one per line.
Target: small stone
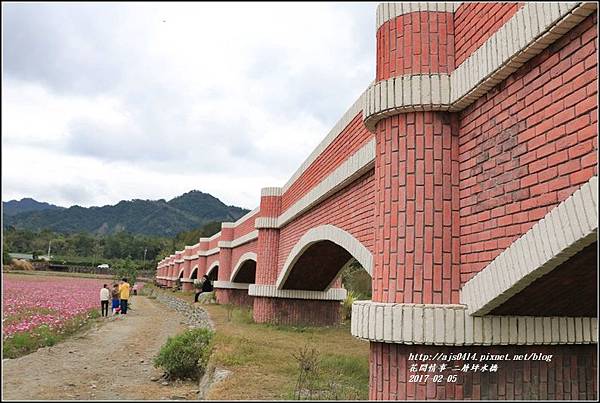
<point x="165" y="383"/>
<point x="141" y="361"/>
<point x="154" y="378"/>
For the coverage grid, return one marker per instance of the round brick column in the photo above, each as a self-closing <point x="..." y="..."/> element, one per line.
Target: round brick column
<point x="203" y="247"/>
<point x="415" y="42"/>
<point x="222" y="296"/>
<point x="267" y="253"/>
<point x="185" y="286"/>
<point x="170" y="271"/>
<point x="417" y="246"/>
<point x="282" y="310"/>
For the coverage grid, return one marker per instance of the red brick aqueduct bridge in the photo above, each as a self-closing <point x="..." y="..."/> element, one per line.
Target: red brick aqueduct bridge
<point x="464" y="180"/>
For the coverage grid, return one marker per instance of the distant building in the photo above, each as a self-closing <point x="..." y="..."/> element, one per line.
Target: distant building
<point x="22" y="256"/>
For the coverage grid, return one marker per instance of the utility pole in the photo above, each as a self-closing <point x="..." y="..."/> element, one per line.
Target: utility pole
<point x="144" y="264"/>
<point x="49" y="243"/>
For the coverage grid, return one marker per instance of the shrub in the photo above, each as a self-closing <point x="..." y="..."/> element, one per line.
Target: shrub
<point x="185" y="355"/>
<point x="347" y="305"/>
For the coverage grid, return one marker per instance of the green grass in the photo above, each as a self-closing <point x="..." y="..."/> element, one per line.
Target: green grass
<point x="260" y="357"/>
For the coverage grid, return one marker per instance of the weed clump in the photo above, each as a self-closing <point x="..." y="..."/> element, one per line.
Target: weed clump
<point x="185" y="356"/>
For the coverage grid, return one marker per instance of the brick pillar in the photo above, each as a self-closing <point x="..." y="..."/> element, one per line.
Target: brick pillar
<point x="417" y="227"/>
<point x="202" y="259"/>
<point x="417" y="247"/>
<point x="187" y="269"/>
<point x="268" y="249"/>
<point x="179" y="264"/>
<point x="285" y="309"/>
<point x="417" y="234"/>
<point x="170" y="271"/>
<point x="222" y="296"/>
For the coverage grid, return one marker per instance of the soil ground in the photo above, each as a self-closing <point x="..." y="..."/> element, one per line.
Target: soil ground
<point x="112" y="360"/>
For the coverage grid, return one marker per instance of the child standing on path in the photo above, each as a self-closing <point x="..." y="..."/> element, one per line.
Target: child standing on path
<point x="104" y="297"/>
<point x="115" y="298"/>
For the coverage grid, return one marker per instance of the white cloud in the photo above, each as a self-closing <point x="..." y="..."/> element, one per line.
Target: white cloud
<point x="109" y="101"/>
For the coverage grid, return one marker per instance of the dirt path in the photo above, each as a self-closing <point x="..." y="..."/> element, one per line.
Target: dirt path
<point x="109" y="362"/>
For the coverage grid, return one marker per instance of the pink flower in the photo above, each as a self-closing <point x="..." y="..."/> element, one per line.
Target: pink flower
<point x="30" y="303"/>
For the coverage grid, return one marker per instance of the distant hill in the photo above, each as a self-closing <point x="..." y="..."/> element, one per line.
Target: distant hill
<point x="149" y="217"/>
<point x="27" y="204"/>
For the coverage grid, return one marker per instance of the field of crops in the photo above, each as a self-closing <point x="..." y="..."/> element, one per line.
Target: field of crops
<point x="31" y="301"/>
<point x="33" y="305"/>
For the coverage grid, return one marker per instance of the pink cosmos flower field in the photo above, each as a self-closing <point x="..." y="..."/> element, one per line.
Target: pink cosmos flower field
<point x="31" y="301"/>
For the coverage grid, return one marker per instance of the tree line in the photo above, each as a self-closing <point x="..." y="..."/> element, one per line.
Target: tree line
<point x="91" y="249"/>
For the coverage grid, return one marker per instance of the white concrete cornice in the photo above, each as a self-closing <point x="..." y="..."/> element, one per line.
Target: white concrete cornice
<point x="244" y="258"/>
<point x="230" y="285"/>
<point x="564" y="231"/>
<point x="246" y="216"/>
<point x="266" y="222"/>
<point x="339" y="127"/>
<point x="270" y="191"/>
<point x="249" y="237"/>
<point x="388" y="11"/>
<point x="262" y="290"/>
<point x="212" y="238"/>
<point x="209" y="252"/>
<point x="192" y="257"/>
<point x="526" y="34"/>
<point x="326" y="233"/>
<point x="451" y="325"/>
<point x="350" y="170"/>
<point x="186" y="280"/>
<point x="180" y="261"/>
<point x="241" y="219"/>
<point x="406" y="93"/>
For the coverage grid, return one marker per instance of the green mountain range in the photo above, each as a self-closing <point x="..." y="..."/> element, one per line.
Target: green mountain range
<point x="14" y="207"/>
<point x="149" y="217"/>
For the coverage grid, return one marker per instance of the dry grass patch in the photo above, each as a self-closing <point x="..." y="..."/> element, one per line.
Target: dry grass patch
<point x="263" y="364"/>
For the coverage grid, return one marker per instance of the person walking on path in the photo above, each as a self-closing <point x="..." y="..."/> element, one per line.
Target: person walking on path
<point x="116" y="303"/>
<point x="104" y="297"/>
<point x="206" y="287"/>
<point x="124" y="295"/>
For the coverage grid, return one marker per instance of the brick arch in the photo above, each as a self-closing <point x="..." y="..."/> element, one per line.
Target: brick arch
<point x="326" y="240"/>
<point x="194" y="270"/>
<point x="242" y="263"/>
<point x="180" y="275"/>
<point x="214" y="266"/>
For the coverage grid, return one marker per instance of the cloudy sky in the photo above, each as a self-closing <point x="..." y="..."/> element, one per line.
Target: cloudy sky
<point x="109" y="102"/>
